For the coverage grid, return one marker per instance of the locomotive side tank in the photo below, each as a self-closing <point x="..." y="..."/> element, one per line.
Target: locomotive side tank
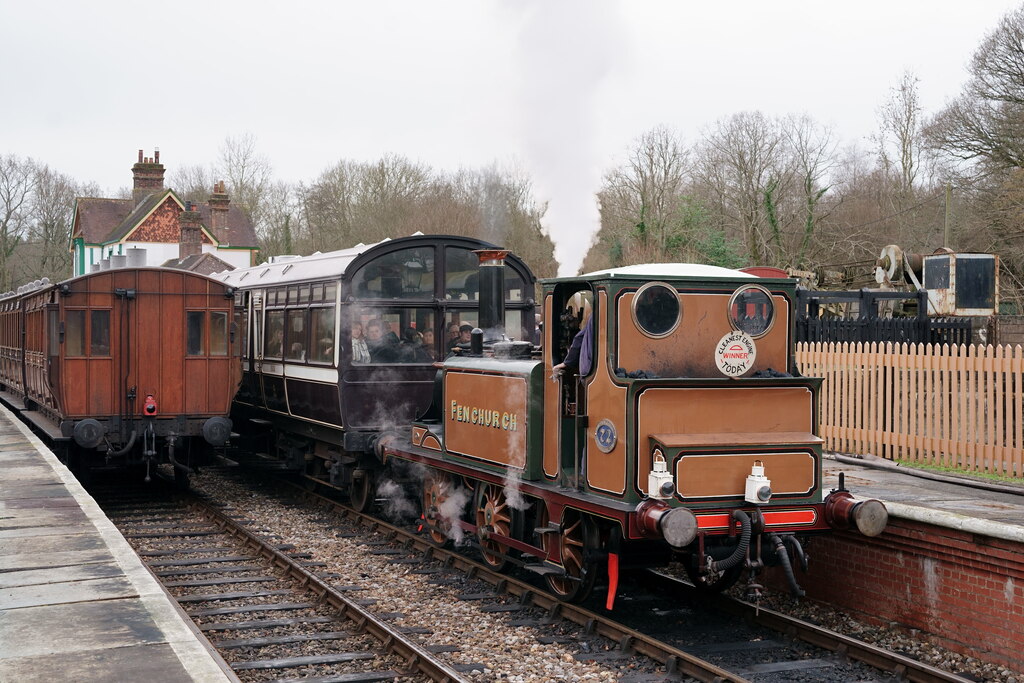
<point x="124" y="366"/>
<point x="682" y="431"/>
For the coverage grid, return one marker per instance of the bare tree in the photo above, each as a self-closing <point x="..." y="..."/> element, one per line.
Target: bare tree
<point x="52" y="208"/>
<point x="280" y="221"/>
<point x="900" y="136"/>
<point x="814" y="154"/>
<point x="985" y="123"/>
<point x="248" y="175"/>
<point x="17" y="179"/>
<point x="743" y="168"/>
<point x="643" y="195"/>
<point x="327" y="208"/>
<point x="192" y="182"/>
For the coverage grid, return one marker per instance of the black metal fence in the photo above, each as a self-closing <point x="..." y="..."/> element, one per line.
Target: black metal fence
<point x="815" y="325"/>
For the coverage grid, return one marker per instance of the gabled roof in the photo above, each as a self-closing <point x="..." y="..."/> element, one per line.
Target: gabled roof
<point x="239" y="231"/>
<point x="95" y="218"/>
<point x="141" y="213"/>
<point x="204" y="264"/>
<point x="101" y="221"/>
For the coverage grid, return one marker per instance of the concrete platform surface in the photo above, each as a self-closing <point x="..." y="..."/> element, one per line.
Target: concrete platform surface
<point x="968" y="503"/>
<point x="76" y="602"/>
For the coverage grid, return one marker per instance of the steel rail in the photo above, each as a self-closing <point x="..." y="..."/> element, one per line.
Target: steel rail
<point x="418" y="659"/>
<point x="884" y="660"/>
<point x="676" y="661"/>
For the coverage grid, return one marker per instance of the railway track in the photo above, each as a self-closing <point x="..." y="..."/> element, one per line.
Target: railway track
<point x="765" y="653"/>
<point x="262" y="605"/>
<point x="822" y="649"/>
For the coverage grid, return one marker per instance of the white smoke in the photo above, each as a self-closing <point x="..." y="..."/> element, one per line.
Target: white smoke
<point x="565" y="52"/>
<point x="513" y="495"/>
<point x="396" y="504"/>
<point x="450" y="511"/>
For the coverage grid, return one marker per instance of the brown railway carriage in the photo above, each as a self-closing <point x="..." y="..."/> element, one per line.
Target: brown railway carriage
<point x="127" y="365"/>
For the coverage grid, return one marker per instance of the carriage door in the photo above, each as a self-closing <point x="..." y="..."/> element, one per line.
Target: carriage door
<point x="54" y="336"/>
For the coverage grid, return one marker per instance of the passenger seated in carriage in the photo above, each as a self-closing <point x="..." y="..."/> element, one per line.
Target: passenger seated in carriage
<point x="380" y="344"/>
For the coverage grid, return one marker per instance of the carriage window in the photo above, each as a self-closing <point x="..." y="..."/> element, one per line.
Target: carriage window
<point x="514" y="327"/>
<point x="274" y="338"/>
<point x="455" y="329"/>
<point x="74" y="333"/>
<point x="403" y="274"/>
<point x="656" y="309"/>
<point x="296" y="337"/>
<point x="321" y="331"/>
<point x="99" y="334"/>
<point x="218" y="333"/>
<point x="462" y="277"/>
<point x="240" y="329"/>
<point x="751" y="310"/>
<point x="194" y="333"/>
<point x="397" y="335"/>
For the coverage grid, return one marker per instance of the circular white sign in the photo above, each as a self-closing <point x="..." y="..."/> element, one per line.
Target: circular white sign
<point x="735" y="354"/>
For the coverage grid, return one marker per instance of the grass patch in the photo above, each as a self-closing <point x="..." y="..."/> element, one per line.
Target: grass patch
<point x="945" y="469"/>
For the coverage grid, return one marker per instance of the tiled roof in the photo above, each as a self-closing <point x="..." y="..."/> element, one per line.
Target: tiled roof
<point x="96" y="217"/>
<point x="204" y="264"/>
<point x="100" y="221"/>
<point x="239" y="231"/>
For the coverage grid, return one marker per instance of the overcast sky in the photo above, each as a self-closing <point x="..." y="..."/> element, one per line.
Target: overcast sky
<point x="561" y="88"/>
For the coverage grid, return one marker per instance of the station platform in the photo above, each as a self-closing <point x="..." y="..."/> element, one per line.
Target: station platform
<point x="76" y="602"/>
<point x="969" y="504"/>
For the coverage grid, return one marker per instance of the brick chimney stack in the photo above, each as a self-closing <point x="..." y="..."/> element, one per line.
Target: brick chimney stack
<point x="219" y="203"/>
<point x="149" y="176"/>
<point x="191" y="243"/>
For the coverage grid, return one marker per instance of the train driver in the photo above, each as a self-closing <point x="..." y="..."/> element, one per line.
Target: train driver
<point x="580" y="356"/>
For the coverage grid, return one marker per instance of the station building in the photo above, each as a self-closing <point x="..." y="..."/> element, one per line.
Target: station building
<point x="156" y="227"/>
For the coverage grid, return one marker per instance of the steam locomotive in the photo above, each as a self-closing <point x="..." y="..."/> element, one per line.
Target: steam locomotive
<point x="661" y="417"/>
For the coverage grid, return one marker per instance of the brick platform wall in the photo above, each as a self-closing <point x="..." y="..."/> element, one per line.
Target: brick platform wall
<point x="965" y="591"/>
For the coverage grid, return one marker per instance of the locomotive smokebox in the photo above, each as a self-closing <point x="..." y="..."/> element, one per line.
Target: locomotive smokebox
<point x="492" y="293"/>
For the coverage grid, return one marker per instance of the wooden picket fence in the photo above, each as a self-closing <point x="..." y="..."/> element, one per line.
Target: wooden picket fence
<point x="958" y="406"/>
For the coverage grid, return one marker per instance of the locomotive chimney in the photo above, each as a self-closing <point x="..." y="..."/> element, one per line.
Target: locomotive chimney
<point x="492" y="293"/>
<point x="191" y="243"/>
<point x="148" y="177"/>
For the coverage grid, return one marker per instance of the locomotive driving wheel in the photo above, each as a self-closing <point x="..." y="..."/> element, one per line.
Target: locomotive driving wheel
<point x="577" y="540"/>
<point x="493" y="516"/>
<point x="362" y="493"/>
<point x="436" y="490"/>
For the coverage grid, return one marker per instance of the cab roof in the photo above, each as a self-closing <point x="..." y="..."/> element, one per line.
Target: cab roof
<point x="665" y="270"/>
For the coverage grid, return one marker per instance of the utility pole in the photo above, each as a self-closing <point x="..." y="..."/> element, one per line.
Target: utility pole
<point x="945" y="232"/>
